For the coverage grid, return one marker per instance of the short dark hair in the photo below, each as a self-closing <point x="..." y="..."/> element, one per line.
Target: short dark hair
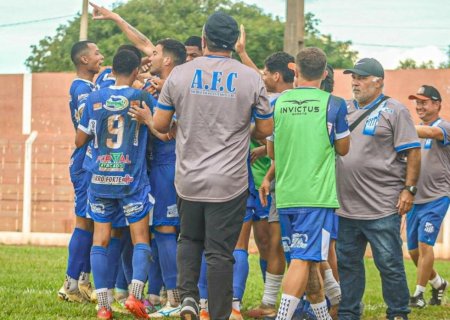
<point x="125" y="62"/>
<point x="278" y="62"/>
<point x="194" y="41"/>
<point x="213" y="47"/>
<point x="327" y="84"/>
<point x="77" y="50"/>
<point x="131" y="48"/>
<point x="175" y="49"/>
<point x="311" y="62"/>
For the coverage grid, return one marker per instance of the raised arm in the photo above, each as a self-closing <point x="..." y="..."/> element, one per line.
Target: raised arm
<point x="428" y="132"/>
<point x="240" y="50"/>
<point x="135" y="36"/>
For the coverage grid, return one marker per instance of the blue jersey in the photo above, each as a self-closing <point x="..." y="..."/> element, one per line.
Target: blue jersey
<point x="162" y="152"/>
<point x="117" y="159"/>
<point x="105" y="79"/>
<point x="79" y="91"/>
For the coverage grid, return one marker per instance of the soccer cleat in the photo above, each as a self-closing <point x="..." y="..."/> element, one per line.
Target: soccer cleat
<point x="121" y="296"/>
<point x="438" y="294"/>
<point x="417" y="301"/>
<point x="204" y="314"/>
<point x="189" y="309"/>
<point x="136" y="307"/>
<point x="150" y="307"/>
<point x="262" y="312"/>
<point x="104" y="313"/>
<point x="167" y="311"/>
<point x="87" y="292"/>
<point x="235" y="315"/>
<point x="72" y="296"/>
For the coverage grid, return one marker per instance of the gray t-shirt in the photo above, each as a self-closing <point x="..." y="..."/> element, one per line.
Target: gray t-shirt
<point x="372" y="175"/>
<point x="434" y="180"/>
<point x="214" y="99"/>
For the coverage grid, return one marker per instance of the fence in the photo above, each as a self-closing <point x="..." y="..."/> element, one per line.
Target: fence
<point x="36" y="140"/>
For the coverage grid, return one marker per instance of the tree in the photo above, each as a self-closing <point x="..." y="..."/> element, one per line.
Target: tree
<point x="412" y="64"/>
<point x="159" y="19"/>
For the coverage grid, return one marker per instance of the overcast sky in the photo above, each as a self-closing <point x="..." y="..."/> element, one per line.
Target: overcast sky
<point x="384" y="29"/>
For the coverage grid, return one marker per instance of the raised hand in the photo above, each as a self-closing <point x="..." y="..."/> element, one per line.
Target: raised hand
<point x="101" y="13"/>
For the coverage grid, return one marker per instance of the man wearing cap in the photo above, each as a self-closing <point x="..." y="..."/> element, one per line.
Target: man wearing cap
<point x="376" y="184"/>
<point x="432" y="198"/>
<point x="214" y="97"/>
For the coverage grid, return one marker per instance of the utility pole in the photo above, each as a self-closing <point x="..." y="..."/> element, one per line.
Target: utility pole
<point x="294" y="30"/>
<point x="84" y="21"/>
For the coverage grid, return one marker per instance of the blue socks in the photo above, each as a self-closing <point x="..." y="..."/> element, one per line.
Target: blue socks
<point x="100" y="268"/>
<point x="263" y="266"/>
<point x="202" y="281"/>
<point x="141" y="261"/>
<point x="113" y="261"/>
<point x="127" y="256"/>
<point x="240" y="272"/>
<point x="155" y="280"/>
<point x="167" y="244"/>
<point x="79" y="253"/>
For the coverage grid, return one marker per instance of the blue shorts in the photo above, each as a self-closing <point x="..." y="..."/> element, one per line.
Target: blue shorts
<point x="423" y="222"/>
<point x="335" y="227"/>
<point x="121" y="212"/>
<point x="307" y="232"/>
<point x="80" y="181"/>
<point x="165" y="212"/>
<point x="255" y="210"/>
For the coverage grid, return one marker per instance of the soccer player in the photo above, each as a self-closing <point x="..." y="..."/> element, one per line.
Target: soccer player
<point x="432" y="198"/>
<point x="168" y="54"/>
<point x="87" y="59"/>
<point x="306" y="194"/>
<point x="119" y="183"/>
<point x="193" y="46"/>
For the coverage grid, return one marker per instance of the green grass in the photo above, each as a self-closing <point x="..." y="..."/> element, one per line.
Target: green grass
<point x="31" y="276"/>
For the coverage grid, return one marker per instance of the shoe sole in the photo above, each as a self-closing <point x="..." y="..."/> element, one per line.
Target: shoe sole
<point x="188" y="315"/>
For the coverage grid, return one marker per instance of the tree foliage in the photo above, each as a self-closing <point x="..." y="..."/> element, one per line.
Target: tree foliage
<point x="159" y="19"/>
<point x="412" y="64"/>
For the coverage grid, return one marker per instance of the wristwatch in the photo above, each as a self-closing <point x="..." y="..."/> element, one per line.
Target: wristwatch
<point x="411" y="189"/>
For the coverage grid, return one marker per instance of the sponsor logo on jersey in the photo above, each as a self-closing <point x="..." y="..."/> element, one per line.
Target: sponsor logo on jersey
<point x="97" y="207"/>
<point x="97" y="106"/>
<point x="221" y="85"/>
<point x="135" y="103"/>
<point x="429" y="228"/>
<point x="133" y="208"/>
<point x="82" y="96"/>
<point x="113" y="162"/>
<point x="299" y="107"/>
<point x="116" y="103"/>
<point x="112" y="180"/>
<point x="299" y="240"/>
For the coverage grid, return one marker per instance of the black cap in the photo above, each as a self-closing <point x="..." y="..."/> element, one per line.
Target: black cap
<point x="367" y="67"/>
<point x="222" y="30"/>
<point x="425" y="93"/>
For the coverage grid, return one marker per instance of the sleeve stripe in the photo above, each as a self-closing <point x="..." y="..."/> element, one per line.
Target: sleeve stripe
<point x="342" y="135"/>
<point x="446" y="141"/>
<point x="407" y="146"/>
<point x="263" y="116"/>
<point x="165" y="107"/>
<point x="85" y="130"/>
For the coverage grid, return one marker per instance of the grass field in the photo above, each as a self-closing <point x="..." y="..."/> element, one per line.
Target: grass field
<point x="31" y="276"/>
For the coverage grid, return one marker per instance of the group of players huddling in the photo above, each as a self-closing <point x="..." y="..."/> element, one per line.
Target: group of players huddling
<point x="123" y="174"/>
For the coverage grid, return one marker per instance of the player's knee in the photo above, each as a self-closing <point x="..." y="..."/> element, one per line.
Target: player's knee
<point x="166" y="229"/>
<point x="84" y="224"/>
<point x="315" y="296"/>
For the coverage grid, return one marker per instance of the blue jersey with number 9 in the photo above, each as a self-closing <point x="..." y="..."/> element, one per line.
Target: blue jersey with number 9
<point x="117" y="157"/>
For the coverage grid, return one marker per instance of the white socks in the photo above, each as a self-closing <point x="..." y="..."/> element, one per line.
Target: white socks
<point x="236" y="304"/>
<point x="436" y="282"/>
<point x="287" y="307"/>
<point x="419" y="290"/>
<point x="271" y="288"/>
<point x="137" y="287"/>
<point x="154" y="299"/>
<point x="102" y="298"/>
<point x="321" y="310"/>
<point x="173" y="297"/>
<point x="332" y="288"/>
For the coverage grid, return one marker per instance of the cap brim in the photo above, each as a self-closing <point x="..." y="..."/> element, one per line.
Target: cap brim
<point x="418" y="97"/>
<point x="357" y="71"/>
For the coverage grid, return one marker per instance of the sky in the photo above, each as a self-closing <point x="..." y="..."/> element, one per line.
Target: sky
<point x="388" y="30"/>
